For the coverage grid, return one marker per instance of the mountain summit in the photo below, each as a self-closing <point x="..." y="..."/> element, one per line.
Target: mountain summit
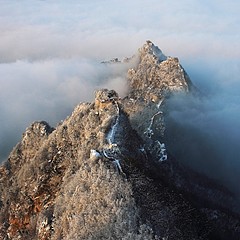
<point x="105" y="172"/>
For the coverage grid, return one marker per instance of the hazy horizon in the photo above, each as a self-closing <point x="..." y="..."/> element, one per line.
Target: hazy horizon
<point x="50" y="53"/>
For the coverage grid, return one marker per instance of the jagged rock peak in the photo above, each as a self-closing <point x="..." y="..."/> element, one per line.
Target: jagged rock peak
<point x="39" y="128"/>
<point x="32" y="139"/>
<point x="149" y="49"/>
<point x="105" y="99"/>
<point x="105" y="95"/>
<point x="157" y="74"/>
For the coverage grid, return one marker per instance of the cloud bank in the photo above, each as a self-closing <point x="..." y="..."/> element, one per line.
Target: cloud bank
<point x="204" y="134"/>
<point x="49" y="90"/>
<point x="50" y="53"/>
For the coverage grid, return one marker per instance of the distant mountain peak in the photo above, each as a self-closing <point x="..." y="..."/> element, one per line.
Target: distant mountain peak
<point x="156" y="76"/>
<point x="149" y="49"/>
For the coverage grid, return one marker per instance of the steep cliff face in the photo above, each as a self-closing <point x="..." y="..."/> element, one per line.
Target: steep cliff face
<point x="105" y="173"/>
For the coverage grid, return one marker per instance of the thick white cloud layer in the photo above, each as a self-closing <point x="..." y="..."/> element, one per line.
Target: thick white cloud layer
<point x="50" y="53"/>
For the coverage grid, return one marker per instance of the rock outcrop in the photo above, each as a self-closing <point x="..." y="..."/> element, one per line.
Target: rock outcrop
<point x="105" y="172"/>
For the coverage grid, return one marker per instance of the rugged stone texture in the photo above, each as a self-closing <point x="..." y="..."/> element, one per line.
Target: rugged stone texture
<point x="105" y="173"/>
<point x="157" y="75"/>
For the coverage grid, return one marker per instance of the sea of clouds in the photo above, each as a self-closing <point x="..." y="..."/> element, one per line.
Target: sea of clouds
<point x="50" y="54"/>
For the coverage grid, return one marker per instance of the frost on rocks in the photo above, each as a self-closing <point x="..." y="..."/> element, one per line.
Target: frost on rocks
<point x="162" y="154"/>
<point x="117" y="163"/>
<point x="149" y="132"/>
<point x="103" y="99"/>
<point x="113" y="154"/>
<point x="114" y="150"/>
<point x="94" y="154"/>
<point x="154" y="50"/>
<point x="157" y="75"/>
<point x="112" y="132"/>
<point x="159" y="103"/>
<point x="49" y="191"/>
<point x="159" y="147"/>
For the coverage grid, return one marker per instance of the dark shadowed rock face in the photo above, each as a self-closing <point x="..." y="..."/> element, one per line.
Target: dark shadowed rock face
<point x="105" y="172"/>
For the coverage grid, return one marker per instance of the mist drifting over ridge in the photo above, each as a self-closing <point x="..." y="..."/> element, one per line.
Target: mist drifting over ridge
<point x="50" y="54"/>
<point x="50" y="90"/>
<point x="203" y="134"/>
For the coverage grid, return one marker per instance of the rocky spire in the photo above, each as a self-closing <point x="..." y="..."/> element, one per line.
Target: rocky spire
<point x="149" y="50"/>
<point x="157" y="75"/>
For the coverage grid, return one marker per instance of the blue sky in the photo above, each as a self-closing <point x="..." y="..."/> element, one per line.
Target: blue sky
<point x="50" y="50"/>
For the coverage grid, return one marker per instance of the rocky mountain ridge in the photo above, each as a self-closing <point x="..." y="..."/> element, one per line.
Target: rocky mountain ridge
<point x="105" y="172"/>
